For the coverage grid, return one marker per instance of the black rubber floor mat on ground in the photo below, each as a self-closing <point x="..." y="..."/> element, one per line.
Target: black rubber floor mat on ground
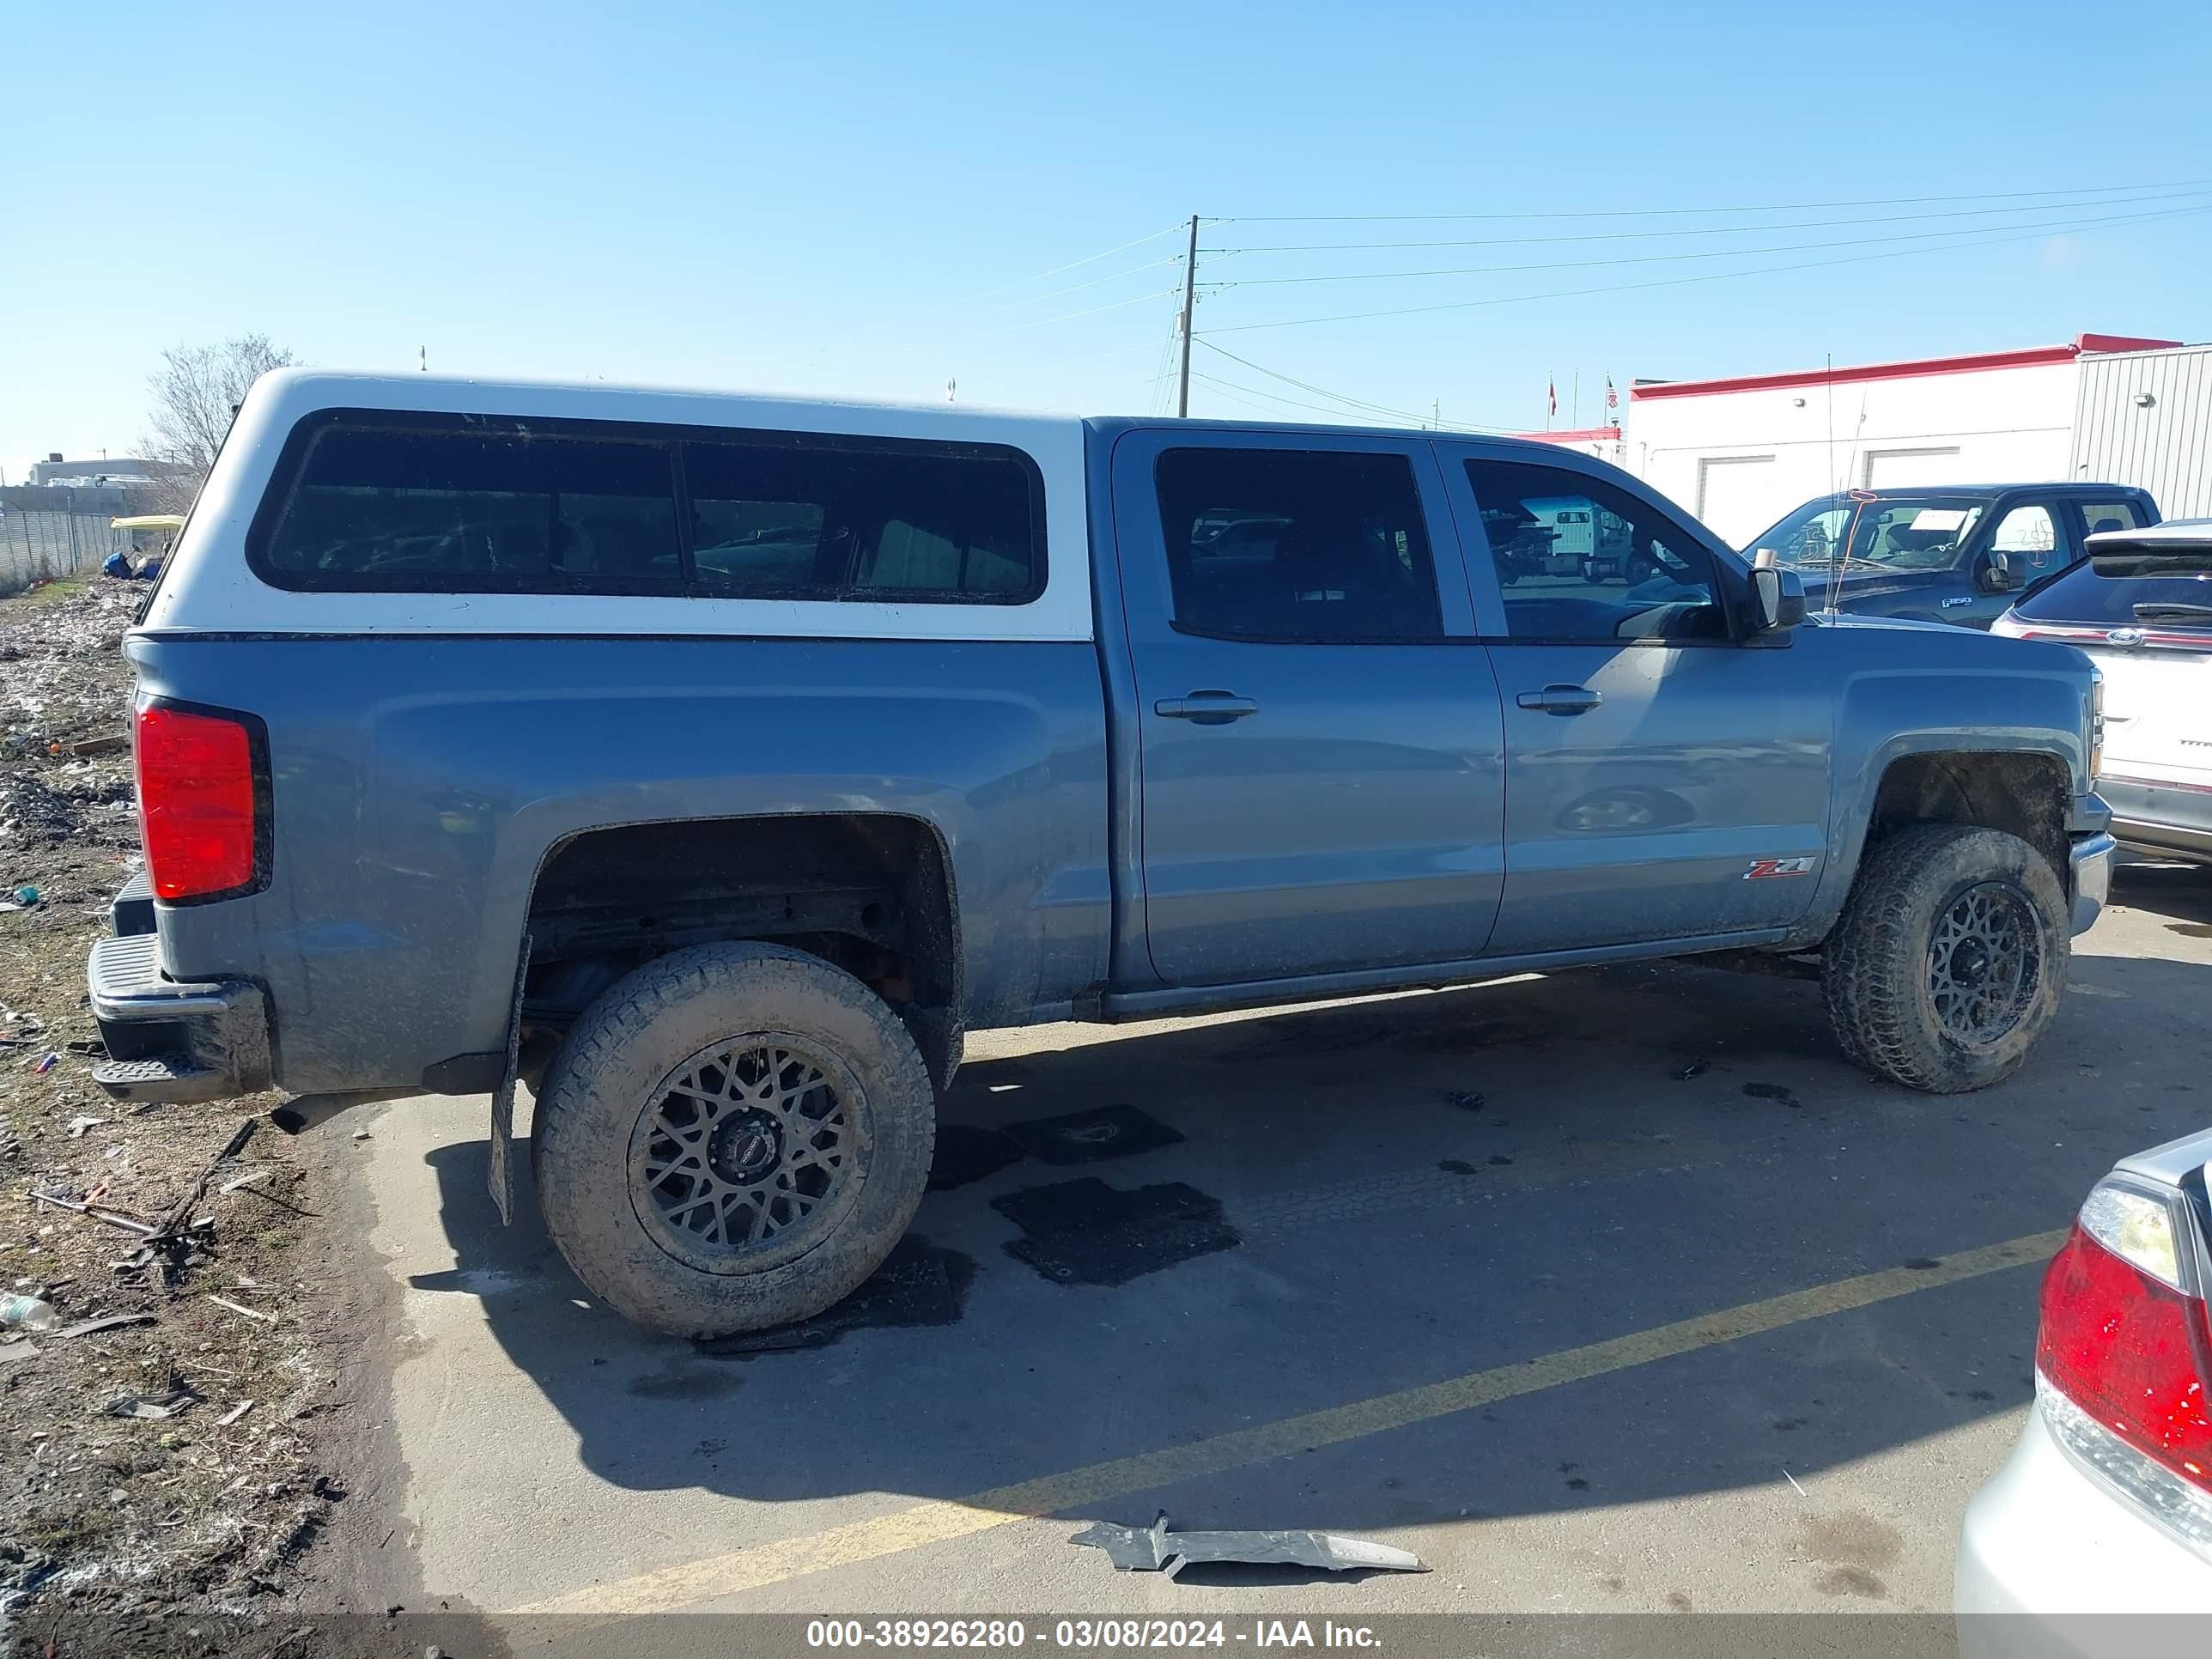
<point x="917" y="1285"/>
<point x="1085" y="1232"/>
<point x="966" y="1153"/>
<point x="1086" y="1137"/>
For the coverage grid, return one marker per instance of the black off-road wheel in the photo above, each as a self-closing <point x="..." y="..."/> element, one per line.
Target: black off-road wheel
<point x="731" y="1138"/>
<point x="1950" y="960"/>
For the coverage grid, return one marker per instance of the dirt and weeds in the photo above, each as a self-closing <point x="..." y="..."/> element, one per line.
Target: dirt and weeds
<point x="167" y="1468"/>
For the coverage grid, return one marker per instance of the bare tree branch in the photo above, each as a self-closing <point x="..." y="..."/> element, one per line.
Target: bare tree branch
<point x="195" y="392"/>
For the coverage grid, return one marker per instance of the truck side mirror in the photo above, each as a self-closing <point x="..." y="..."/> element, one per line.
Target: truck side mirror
<point x="1777" y="599"/>
<point x="1996" y="575"/>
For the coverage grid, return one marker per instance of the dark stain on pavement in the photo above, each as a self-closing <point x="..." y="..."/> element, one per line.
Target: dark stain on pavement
<point x="1118" y="1131"/>
<point x="1085" y="1232"/>
<point x="966" y="1153"/>
<point x="680" y="1380"/>
<point x="1855" y="1548"/>
<point x="917" y="1285"/>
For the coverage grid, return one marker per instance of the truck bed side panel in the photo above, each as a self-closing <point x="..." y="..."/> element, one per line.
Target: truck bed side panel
<point x="419" y="783"/>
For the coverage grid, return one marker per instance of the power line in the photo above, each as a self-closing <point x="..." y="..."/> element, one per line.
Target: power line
<point x="1076" y="288"/>
<point x="1037" y="322"/>
<point x="1623" y="259"/>
<point x="1222" y="387"/>
<point x="1044" y="276"/>
<point x="1688" y="212"/>
<point x="1336" y="414"/>
<point x="1403" y="416"/>
<point x="1709" y="276"/>
<point x="1702" y="230"/>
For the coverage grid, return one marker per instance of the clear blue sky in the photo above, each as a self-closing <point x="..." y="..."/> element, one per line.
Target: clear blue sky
<point x="809" y="196"/>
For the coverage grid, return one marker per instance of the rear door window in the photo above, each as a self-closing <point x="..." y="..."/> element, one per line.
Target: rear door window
<point x="2099" y="517"/>
<point x="1297" y="546"/>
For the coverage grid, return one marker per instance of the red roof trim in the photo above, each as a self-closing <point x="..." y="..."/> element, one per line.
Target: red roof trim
<point x="1588" y="435"/>
<point x="1969" y="363"/>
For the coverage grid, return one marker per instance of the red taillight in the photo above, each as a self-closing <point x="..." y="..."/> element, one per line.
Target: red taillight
<point x="196" y="802"/>
<point x="2129" y="1350"/>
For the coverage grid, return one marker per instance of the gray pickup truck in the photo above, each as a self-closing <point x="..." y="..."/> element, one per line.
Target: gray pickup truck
<point x="711" y="763"/>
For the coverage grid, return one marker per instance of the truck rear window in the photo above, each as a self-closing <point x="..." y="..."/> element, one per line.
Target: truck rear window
<point x="371" y="501"/>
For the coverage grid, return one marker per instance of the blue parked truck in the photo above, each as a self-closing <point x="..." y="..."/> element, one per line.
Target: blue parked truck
<point x="713" y="762"/>
<point x="1961" y="554"/>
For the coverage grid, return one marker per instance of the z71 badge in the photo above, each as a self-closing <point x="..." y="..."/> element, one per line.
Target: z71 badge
<point x="1766" y="869"/>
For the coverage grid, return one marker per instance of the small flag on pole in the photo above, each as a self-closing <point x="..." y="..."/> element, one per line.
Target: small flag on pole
<point x="1612" y="397"/>
<point x="1552" y="391"/>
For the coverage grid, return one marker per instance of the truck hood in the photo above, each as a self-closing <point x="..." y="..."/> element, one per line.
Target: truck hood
<point x="1818" y="618"/>
<point x="1865" y="582"/>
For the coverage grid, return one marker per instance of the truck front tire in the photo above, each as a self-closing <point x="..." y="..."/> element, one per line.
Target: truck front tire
<point x="1950" y="959"/>
<point x="731" y="1138"/>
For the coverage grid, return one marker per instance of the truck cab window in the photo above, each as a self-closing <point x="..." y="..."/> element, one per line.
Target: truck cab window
<point x="1302" y="546"/>
<point x="2027" y="535"/>
<point x="1579" y="561"/>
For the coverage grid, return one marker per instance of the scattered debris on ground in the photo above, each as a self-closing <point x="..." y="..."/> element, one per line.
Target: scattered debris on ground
<point x="138" y="1476"/>
<point x="1155" y="1549"/>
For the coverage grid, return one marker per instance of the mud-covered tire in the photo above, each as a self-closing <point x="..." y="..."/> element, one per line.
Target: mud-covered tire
<point x="596" y="1119"/>
<point x="1889" y="981"/>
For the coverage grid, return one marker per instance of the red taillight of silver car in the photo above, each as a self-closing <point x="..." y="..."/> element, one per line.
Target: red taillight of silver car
<point x="2125" y="1351"/>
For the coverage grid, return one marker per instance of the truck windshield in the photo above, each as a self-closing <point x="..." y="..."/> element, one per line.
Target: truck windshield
<point x="1897" y="532"/>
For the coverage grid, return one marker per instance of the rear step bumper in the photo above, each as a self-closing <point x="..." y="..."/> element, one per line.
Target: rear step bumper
<point x="172" y="1040"/>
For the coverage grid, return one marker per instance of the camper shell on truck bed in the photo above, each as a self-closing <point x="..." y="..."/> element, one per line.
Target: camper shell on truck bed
<point x="713" y="762"/>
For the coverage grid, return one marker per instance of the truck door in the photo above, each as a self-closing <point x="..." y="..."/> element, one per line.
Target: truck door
<point x="1319" y="732"/>
<point x="2036" y="537"/>
<point x="1663" y="779"/>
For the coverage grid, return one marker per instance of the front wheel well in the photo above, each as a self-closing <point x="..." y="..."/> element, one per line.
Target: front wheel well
<point x="2025" y="793"/>
<point x="870" y="892"/>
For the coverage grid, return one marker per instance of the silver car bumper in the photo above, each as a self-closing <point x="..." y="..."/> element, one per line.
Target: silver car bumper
<point x="2052" y="1564"/>
<point x="2090" y="878"/>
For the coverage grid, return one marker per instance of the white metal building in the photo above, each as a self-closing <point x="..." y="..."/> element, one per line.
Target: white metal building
<point x="2145" y="418"/>
<point x="1740" y="453"/>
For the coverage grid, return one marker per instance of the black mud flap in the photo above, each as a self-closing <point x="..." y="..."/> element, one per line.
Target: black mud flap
<point x="500" y="1177"/>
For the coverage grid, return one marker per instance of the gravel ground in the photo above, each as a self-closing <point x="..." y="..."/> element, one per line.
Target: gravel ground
<point x="121" y="1529"/>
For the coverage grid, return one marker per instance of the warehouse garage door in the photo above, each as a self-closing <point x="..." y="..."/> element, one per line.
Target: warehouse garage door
<point x="1736" y="495"/>
<point x="1906" y="469"/>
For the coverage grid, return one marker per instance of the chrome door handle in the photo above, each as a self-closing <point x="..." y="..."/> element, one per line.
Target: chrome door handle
<point x="1207" y="707"/>
<point x="1561" y="699"/>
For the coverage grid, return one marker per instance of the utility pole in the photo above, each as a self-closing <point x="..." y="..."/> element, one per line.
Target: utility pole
<point x="1189" y="294"/>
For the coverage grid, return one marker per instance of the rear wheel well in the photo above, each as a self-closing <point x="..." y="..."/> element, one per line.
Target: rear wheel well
<point x="2023" y="792"/>
<point x="870" y="892"/>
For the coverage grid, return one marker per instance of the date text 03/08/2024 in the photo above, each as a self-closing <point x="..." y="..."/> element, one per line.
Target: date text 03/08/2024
<point x="1086" y="1635"/>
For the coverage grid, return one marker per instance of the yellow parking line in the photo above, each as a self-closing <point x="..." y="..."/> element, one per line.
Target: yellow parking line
<point x="936" y="1523"/>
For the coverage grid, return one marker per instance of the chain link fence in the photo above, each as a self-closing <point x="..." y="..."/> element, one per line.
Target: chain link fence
<point x="47" y="532"/>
